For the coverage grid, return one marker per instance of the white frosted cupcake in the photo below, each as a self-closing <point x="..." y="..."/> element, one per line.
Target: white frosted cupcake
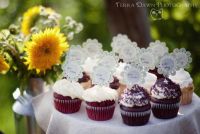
<point x="100" y="102"/>
<point x="185" y="81"/>
<point x="150" y="80"/>
<point x="67" y="96"/>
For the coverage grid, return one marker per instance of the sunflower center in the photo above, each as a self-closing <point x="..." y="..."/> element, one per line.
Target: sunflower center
<point x="47" y="50"/>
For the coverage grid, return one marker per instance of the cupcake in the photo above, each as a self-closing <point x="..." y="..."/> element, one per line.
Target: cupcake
<point x="135" y="106"/>
<point x="100" y="102"/>
<point x="115" y="84"/>
<point x="165" y="97"/>
<point x="85" y="81"/>
<point x="67" y="96"/>
<point x="149" y="81"/>
<point x="185" y="81"/>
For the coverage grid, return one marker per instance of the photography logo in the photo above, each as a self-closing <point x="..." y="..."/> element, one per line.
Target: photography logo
<point x="156" y="14"/>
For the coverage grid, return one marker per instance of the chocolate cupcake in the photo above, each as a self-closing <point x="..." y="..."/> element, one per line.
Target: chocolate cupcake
<point x="135" y="106"/>
<point x="100" y="102"/>
<point x="67" y="96"/>
<point x="85" y="81"/>
<point x="165" y="97"/>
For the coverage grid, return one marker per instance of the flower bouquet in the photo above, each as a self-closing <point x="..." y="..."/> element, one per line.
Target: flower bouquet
<point x="36" y="45"/>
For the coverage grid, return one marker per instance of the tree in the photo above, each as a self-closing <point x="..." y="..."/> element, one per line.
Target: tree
<point x="126" y="18"/>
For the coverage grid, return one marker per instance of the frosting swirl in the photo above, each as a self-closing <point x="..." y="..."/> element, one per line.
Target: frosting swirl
<point x="99" y="94"/>
<point x="135" y="96"/>
<point x="164" y="88"/>
<point x="67" y="88"/>
<point x="182" y="78"/>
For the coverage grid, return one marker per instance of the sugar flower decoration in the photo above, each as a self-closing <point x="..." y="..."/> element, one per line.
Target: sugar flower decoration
<point x="129" y="53"/>
<point x="119" y="41"/>
<point x="72" y="71"/>
<point x="102" y="76"/>
<point x="167" y="65"/>
<point x="133" y="74"/>
<point x="183" y="57"/>
<point x="146" y="59"/>
<point x="92" y="47"/>
<point x="108" y="59"/>
<point x="158" y="48"/>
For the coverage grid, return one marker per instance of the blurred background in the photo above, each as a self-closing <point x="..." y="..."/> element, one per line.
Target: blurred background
<point x="177" y="23"/>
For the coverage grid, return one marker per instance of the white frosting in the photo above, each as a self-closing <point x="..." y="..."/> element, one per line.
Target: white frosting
<point x="150" y="80"/>
<point x="165" y="89"/>
<point x="182" y="78"/>
<point x="67" y="88"/>
<point x="159" y="95"/>
<point x="118" y="72"/>
<point x="89" y="64"/>
<point x="99" y="94"/>
<point x="136" y="96"/>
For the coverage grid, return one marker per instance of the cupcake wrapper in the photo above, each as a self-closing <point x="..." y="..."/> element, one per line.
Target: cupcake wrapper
<point x="135" y="114"/>
<point x="67" y="106"/>
<point x="165" y="111"/>
<point x="165" y="106"/>
<point x="186" y="97"/>
<point x="100" y="113"/>
<point x="135" y="118"/>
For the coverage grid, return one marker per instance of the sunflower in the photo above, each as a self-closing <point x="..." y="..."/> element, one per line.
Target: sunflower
<point x="45" y="49"/>
<point x="30" y="16"/>
<point x="4" y="66"/>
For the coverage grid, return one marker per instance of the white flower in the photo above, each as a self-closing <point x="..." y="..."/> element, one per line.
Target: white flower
<point x="68" y="19"/>
<point x="79" y="28"/>
<point x="70" y="35"/>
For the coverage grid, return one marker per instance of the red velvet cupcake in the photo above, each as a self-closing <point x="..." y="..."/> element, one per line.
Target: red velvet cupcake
<point x="100" y="102"/>
<point x="165" y="97"/>
<point x="135" y="106"/>
<point x="67" y="96"/>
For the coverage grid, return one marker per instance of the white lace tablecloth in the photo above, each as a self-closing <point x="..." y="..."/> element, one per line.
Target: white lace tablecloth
<point x="54" y="122"/>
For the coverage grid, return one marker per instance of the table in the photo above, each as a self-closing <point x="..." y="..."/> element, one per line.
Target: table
<point x="54" y="122"/>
